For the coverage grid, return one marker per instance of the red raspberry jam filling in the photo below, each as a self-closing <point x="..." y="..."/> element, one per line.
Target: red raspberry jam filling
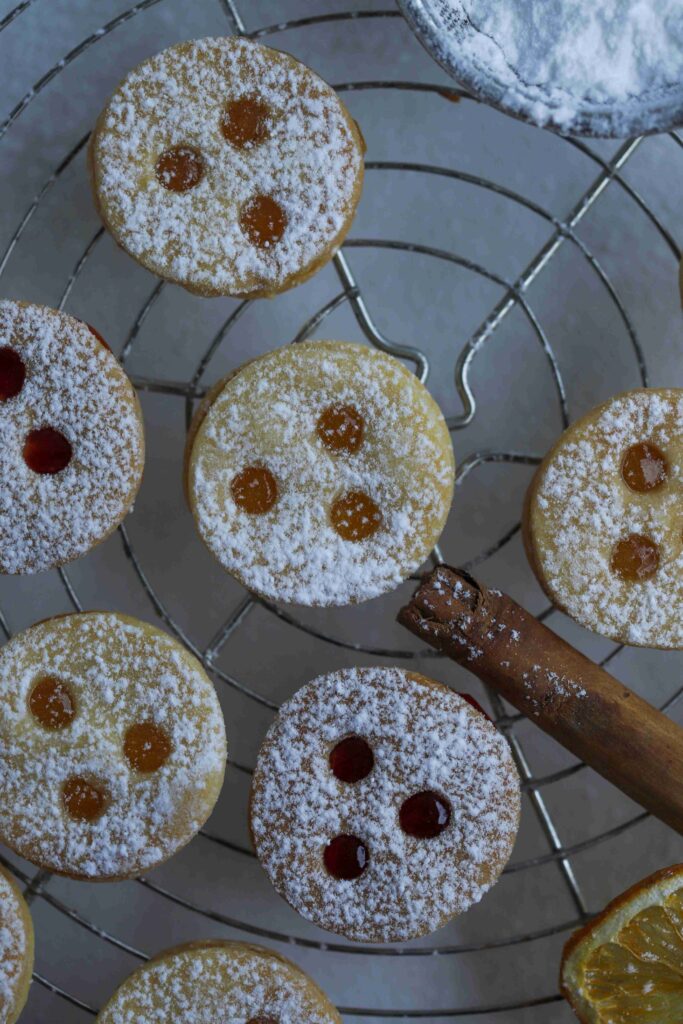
<point x="352" y="759"/>
<point x="346" y="857"/>
<point x="424" y="815"/>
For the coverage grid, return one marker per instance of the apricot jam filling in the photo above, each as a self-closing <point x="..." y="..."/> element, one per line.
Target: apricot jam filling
<point x="52" y="704"/>
<point x="245" y="122"/>
<point x="180" y="168"/>
<point x="635" y="558"/>
<point x="254" y="490"/>
<point x="355" y="516"/>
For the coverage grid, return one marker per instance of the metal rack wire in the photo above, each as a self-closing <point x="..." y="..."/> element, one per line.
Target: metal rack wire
<point x="515" y="296"/>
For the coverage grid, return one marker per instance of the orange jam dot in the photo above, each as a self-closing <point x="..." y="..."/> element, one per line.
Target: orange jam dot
<point x="46" y="450"/>
<point x="82" y="800"/>
<point x="355" y="516"/>
<point x="51" y="703"/>
<point x="341" y="428"/>
<point x="644" y="467"/>
<point x="146" y="747"/>
<point x="635" y="558"/>
<point x="180" y="168"/>
<point x="245" y="122"/>
<point x="263" y="221"/>
<point x="12" y="373"/>
<point x="254" y="489"/>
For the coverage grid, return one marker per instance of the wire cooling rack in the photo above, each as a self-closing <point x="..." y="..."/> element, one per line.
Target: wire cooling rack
<point x="502" y="966"/>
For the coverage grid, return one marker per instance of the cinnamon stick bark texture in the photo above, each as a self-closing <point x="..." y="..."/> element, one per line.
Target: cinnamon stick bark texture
<point x="571" y="698"/>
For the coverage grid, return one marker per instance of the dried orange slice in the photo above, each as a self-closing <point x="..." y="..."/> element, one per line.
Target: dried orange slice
<point x="626" y="966"/>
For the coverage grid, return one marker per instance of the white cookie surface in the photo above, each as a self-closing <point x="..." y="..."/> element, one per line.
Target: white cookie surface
<point x="423" y="738"/>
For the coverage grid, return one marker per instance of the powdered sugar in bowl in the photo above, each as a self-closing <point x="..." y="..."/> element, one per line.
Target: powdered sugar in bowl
<point x="610" y="69"/>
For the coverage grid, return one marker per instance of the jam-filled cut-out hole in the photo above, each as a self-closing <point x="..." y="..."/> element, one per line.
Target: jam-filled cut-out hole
<point x="352" y="759"/>
<point x="341" y="428"/>
<point x="346" y="857"/>
<point x="83" y="800"/>
<point x="146" y="747"/>
<point x="355" y="516"/>
<point x="47" y="450"/>
<point x="263" y="221"/>
<point x="425" y="815"/>
<point x="263" y="1019"/>
<point x="51" y="703"/>
<point x="180" y="168"/>
<point x="12" y="373"/>
<point x="644" y="467"/>
<point x="245" y="122"/>
<point x="635" y="558"/>
<point x="254" y="490"/>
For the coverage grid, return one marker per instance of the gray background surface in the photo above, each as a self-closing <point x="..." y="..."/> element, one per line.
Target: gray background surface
<point x="513" y="185"/>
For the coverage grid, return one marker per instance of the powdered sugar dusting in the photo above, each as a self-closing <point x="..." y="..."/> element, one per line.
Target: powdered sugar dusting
<point x="267" y="414"/>
<point x="555" y="61"/>
<point x="13" y="946"/>
<point x="226" y="983"/>
<point x="582" y="507"/>
<point x="120" y="672"/>
<point x="423" y="738"/>
<point x="75" y="385"/>
<point x="311" y="164"/>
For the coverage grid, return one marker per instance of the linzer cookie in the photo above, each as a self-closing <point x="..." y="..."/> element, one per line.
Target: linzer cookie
<point x="72" y="450"/>
<point x="215" y="981"/>
<point x="603" y="525"/>
<point x="320" y="474"/>
<point x="16" y="950"/>
<point x="227" y="167"/>
<point x="383" y="804"/>
<point x="112" y="745"/>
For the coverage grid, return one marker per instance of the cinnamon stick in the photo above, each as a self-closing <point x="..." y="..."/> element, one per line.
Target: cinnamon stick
<point x="586" y="709"/>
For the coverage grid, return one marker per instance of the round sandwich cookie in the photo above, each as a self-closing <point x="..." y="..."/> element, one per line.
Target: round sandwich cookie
<point x="383" y="804"/>
<point x="603" y="520"/>
<point x="16" y="949"/>
<point x="73" y="449"/>
<point x="219" y="982"/>
<point x="227" y="167"/>
<point x="112" y="745"/>
<point x="320" y="474"/>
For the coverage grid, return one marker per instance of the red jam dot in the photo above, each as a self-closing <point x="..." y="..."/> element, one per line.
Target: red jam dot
<point x="644" y="467"/>
<point x="263" y="221"/>
<point x="635" y="558"/>
<point x="254" y="489"/>
<point x="424" y="815"/>
<point x="352" y="759"/>
<point x="180" y="168"/>
<point x="146" y="747"/>
<point x="46" y="450"/>
<point x="12" y="373"/>
<point x="355" y="516"/>
<point x="245" y="122"/>
<point x="473" y="702"/>
<point x="51" y="703"/>
<point x="341" y="428"/>
<point x="346" y="857"/>
<point x="82" y="800"/>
